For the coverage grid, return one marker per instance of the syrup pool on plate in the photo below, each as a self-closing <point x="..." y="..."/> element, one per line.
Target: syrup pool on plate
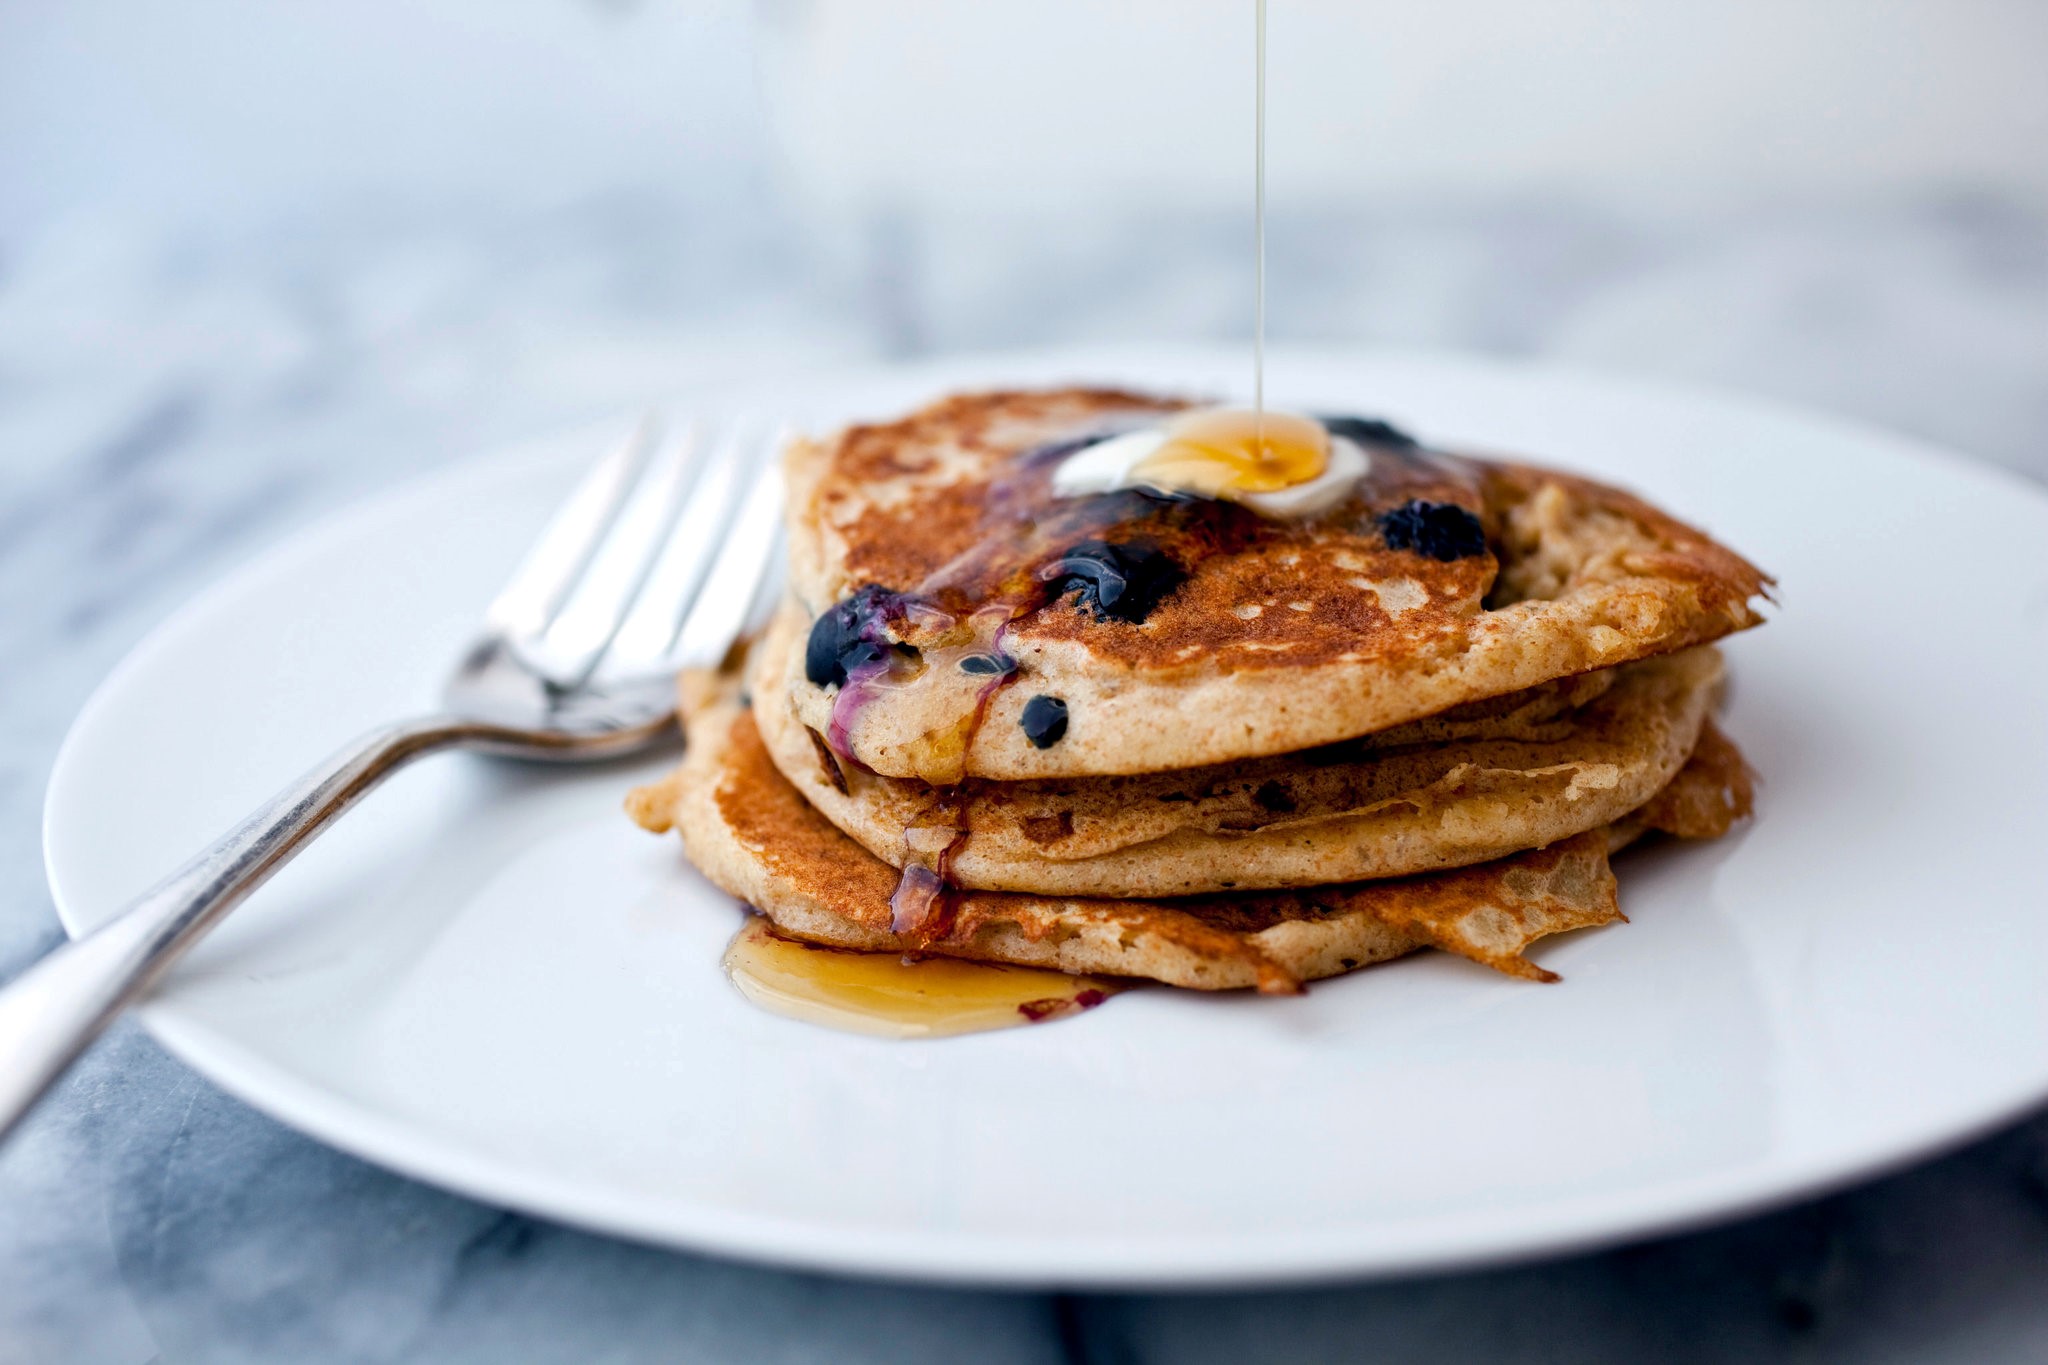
<point x="889" y="996"/>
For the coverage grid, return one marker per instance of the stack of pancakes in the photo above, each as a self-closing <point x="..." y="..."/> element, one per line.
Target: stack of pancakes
<point x="1166" y="736"/>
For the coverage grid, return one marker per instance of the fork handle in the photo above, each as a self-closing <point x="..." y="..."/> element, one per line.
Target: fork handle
<point x="54" y="1009"/>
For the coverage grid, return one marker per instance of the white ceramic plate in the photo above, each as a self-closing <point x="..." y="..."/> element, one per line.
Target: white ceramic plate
<point x="487" y="978"/>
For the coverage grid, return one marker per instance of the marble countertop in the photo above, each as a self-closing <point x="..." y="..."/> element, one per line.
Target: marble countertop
<point x="170" y="403"/>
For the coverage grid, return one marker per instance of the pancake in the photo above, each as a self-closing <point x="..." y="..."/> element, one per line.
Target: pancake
<point x="1521" y="772"/>
<point x="1713" y="791"/>
<point x="939" y="535"/>
<point x="754" y="835"/>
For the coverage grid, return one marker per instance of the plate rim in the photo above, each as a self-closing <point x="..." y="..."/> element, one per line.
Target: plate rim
<point x="1558" y="1226"/>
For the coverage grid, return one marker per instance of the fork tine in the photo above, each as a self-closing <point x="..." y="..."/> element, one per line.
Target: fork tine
<point x="648" y="634"/>
<point x="534" y="594"/>
<point x="576" y="640"/>
<point x="731" y="593"/>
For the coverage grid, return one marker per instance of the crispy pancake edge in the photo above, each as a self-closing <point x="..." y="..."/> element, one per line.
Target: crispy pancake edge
<point x="752" y="834"/>
<point x="1428" y="807"/>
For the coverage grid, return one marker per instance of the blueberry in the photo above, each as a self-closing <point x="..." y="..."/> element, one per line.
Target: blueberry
<point x="847" y="635"/>
<point x="1370" y="431"/>
<point x="1044" y="721"/>
<point x="1439" y="530"/>
<point x="990" y="665"/>
<point x="1121" y="581"/>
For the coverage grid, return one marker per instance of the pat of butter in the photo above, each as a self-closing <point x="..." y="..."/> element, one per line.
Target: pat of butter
<point x="1113" y="464"/>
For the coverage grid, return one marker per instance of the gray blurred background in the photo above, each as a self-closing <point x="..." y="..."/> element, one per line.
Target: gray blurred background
<point x="561" y="203"/>
<point x="259" y="259"/>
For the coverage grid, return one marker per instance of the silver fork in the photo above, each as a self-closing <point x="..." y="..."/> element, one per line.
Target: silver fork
<point x="657" y="562"/>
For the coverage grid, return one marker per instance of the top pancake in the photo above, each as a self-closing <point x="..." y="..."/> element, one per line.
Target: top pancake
<point x="1283" y="635"/>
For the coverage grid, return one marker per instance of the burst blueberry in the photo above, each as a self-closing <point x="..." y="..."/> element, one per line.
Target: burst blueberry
<point x="1439" y="530"/>
<point x="1124" y="582"/>
<point x="848" y="635"/>
<point x="1370" y="431"/>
